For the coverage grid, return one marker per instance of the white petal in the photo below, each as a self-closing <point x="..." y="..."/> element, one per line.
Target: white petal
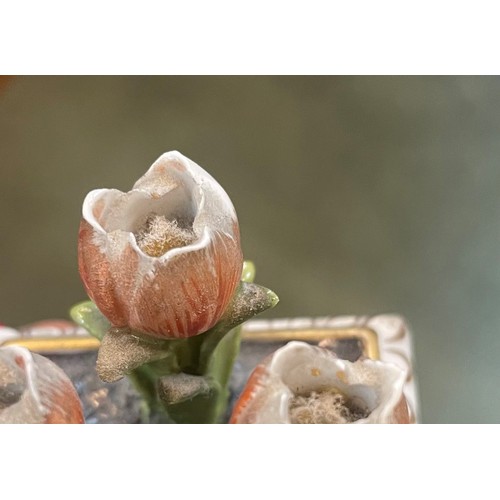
<point x="300" y="368"/>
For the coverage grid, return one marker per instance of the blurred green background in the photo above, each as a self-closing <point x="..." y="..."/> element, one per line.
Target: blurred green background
<point x="355" y="195"/>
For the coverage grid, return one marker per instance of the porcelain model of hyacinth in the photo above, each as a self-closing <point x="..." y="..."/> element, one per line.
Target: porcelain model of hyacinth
<point x="163" y="266"/>
<point x="306" y="384"/>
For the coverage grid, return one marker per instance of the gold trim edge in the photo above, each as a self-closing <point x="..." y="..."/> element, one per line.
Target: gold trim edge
<point x="366" y="335"/>
<point x="46" y="345"/>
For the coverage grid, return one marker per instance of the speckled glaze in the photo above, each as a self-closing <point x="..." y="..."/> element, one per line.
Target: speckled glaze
<point x="34" y="390"/>
<point x="183" y="292"/>
<point x="298" y="368"/>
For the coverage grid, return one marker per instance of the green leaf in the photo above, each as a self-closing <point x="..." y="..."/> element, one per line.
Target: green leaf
<point x="248" y="273"/>
<point x="87" y="315"/>
<point x="248" y="301"/>
<point x="122" y="350"/>
<point x="180" y="387"/>
<point x="202" y="406"/>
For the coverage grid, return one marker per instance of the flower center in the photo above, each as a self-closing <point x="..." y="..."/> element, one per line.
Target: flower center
<point x="158" y="235"/>
<point x="324" y="407"/>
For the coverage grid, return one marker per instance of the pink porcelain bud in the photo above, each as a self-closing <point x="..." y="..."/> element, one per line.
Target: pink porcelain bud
<point x="164" y="258"/>
<point x="302" y="383"/>
<point x="34" y="390"/>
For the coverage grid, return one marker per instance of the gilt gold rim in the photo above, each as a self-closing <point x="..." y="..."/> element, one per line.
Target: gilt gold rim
<point x="46" y="345"/>
<point x="366" y="335"/>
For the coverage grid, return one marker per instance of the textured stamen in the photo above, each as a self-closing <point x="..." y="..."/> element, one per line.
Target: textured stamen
<point x="324" y="407"/>
<point x="158" y="235"/>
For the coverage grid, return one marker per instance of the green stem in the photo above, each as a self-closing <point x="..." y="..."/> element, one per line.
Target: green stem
<point x="207" y="406"/>
<point x="181" y="381"/>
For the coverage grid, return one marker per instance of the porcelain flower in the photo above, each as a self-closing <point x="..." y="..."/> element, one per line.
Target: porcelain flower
<point x="301" y="383"/>
<point x="34" y="390"/>
<point x="164" y="258"/>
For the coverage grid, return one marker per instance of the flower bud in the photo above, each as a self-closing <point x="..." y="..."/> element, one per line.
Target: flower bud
<point x="34" y="390"/>
<point x="306" y="384"/>
<point x="164" y="258"/>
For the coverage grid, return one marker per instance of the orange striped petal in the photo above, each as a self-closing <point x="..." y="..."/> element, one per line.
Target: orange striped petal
<point x="182" y="292"/>
<point x="34" y="390"/>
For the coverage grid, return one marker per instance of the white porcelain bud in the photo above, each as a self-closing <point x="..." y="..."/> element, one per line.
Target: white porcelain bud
<point x="164" y="258"/>
<point x="34" y="390"/>
<point x="302" y="383"/>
